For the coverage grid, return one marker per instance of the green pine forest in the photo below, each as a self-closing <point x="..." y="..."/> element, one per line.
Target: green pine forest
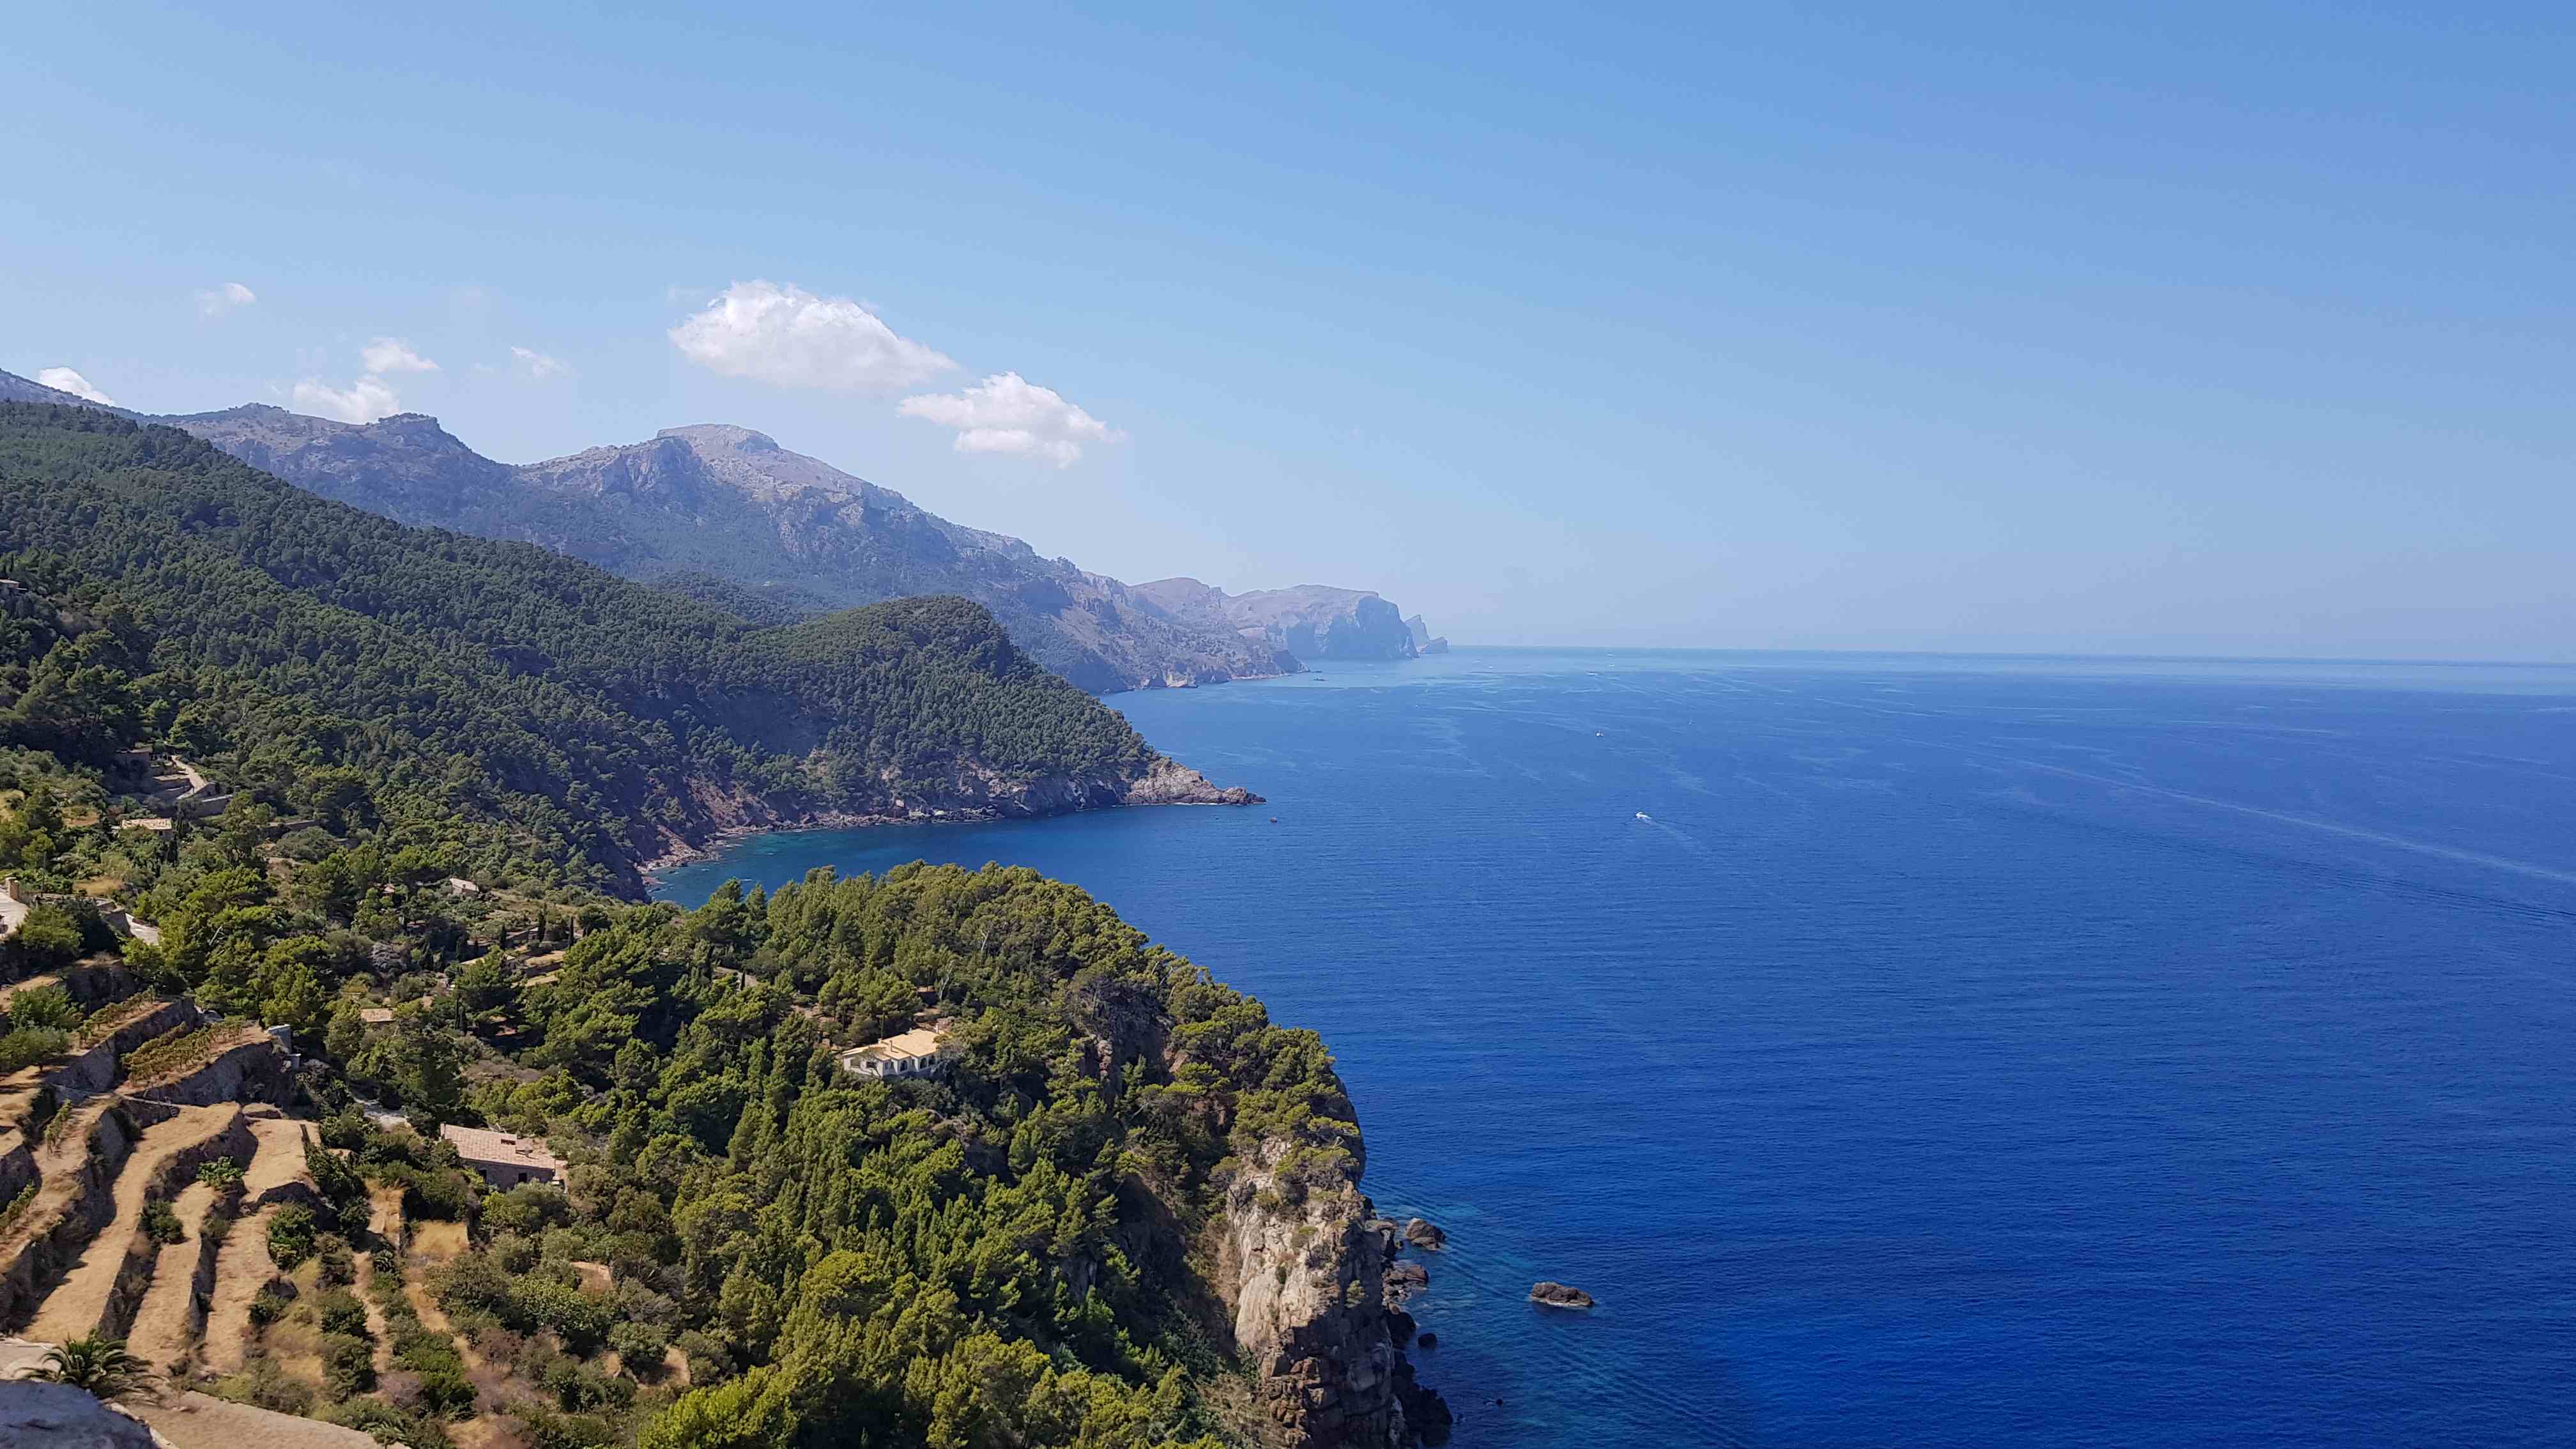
<point x="1001" y="1255"/>
<point x="535" y="714"/>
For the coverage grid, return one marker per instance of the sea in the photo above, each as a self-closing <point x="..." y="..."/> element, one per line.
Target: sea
<point x="1910" y="1050"/>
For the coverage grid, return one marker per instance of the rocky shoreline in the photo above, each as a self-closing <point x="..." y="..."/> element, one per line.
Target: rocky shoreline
<point x="1164" y="782"/>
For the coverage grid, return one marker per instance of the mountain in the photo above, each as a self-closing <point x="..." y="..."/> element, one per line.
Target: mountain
<point x="545" y="718"/>
<point x="1310" y="621"/>
<point x="729" y="503"/>
<point x="16" y="389"/>
<point x="723" y="508"/>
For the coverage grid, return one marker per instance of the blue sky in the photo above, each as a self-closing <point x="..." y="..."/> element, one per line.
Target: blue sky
<point x="2228" y="328"/>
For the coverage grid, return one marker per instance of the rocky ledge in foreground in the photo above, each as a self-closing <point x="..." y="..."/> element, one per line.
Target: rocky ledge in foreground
<point x="1559" y="1295"/>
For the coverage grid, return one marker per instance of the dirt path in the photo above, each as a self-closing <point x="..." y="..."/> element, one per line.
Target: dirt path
<point x="165" y="1327"/>
<point x="385" y="1226"/>
<point x="78" y="1307"/>
<point x="242" y="1268"/>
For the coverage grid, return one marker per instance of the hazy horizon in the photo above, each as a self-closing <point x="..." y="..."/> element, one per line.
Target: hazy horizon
<point x="2222" y="332"/>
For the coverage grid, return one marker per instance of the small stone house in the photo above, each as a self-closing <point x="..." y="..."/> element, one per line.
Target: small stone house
<point x="914" y="1053"/>
<point x="504" y="1160"/>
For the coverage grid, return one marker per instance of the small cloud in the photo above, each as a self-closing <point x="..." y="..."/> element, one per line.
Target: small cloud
<point x="392" y="354"/>
<point x="216" y="301"/>
<point x="790" y="337"/>
<point x="63" y="379"/>
<point x="364" y="401"/>
<point x="535" y="366"/>
<point x="1006" y="413"/>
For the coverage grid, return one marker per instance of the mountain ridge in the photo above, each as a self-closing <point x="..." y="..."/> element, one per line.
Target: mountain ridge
<point x="722" y="501"/>
<point x="518" y="703"/>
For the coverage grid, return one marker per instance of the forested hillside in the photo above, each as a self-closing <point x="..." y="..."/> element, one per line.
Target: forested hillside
<point x="1122" y="1208"/>
<point x="544" y="718"/>
<point x="728" y="503"/>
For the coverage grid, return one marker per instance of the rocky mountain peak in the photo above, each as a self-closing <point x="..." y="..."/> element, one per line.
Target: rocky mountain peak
<point x="723" y="438"/>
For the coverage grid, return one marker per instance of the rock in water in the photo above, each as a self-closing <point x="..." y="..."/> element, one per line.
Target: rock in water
<point x="1428" y="1340"/>
<point x="1403" y="1280"/>
<point x="1423" y="1235"/>
<point x="1558" y="1295"/>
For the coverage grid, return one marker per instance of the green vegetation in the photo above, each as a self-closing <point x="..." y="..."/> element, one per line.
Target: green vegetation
<point x="291" y="1234"/>
<point x="99" y="1365"/>
<point x="529" y="716"/>
<point x="173" y="1050"/>
<point x="161" y="1222"/>
<point x="998" y="1255"/>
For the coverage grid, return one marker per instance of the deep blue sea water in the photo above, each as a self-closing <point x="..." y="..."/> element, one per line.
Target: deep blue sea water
<point x="1966" y="1052"/>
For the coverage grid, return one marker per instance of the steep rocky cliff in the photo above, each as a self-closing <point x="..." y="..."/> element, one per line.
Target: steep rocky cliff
<point x="1310" y="621"/>
<point x="1301" y="1268"/>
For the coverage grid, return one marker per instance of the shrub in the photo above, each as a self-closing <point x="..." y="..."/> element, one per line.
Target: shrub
<point x="45" y="1008"/>
<point x="223" y="1174"/>
<point x="446" y="1390"/>
<point x="341" y="1312"/>
<point x="339" y="1265"/>
<point x="25" y="1046"/>
<point x="444" y="1194"/>
<point x="161" y="1223"/>
<point x="291" y="1235"/>
<point x="341" y="1187"/>
<point x="345" y="1130"/>
<point x="639" y="1348"/>
<point x="266" y="1386"/>
<point x="268" y="1307"/>
<point x="48" y="938"/>
<point x="515" y="1254"/>
<point x="528" y="1209"/>
<point x="17" y="1206"/>
<point x="348" y="1364"/>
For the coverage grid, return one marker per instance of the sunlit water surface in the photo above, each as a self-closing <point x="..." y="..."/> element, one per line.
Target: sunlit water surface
<point x="1910" y="1050"/>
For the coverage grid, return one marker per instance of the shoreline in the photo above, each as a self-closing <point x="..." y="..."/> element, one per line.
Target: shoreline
<point x="724" y="837"/>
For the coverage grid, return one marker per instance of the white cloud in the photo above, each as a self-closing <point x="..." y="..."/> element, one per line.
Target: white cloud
<point x="1006" y="413"/>
<point x="392" y="354"/>
<point x="63" y="379"/>
<point x="216" y="301"/>
<point x="363" y="401"/>
<point x="536" y="366"/>
<point x="792" y="338"/>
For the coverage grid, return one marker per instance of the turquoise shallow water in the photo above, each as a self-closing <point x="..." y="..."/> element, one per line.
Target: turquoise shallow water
<point x="1963" y="1052"/>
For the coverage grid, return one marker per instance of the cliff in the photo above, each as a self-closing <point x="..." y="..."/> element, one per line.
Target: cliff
<point x="1423" y="640"/>
<point x="1310" y="621"/>
<point x="1301" y="1267"/>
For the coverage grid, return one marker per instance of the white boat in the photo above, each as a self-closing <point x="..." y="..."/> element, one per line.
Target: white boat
<point x="1642" y="815"/>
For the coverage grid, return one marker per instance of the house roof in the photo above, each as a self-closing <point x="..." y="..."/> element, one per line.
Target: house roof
<point x="376" y="1015"/>
<point x="921" y="1041"/>
<point x="475" y="1144"/>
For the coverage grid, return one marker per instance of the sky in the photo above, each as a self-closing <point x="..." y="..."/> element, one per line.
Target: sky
<point x="2189" y="329"/>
